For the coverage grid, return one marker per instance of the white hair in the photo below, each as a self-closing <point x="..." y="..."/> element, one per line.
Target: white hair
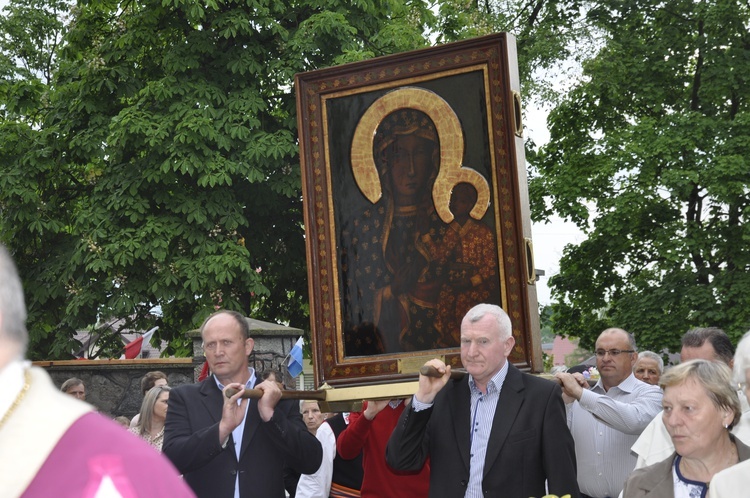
<point x="501" y="317"/>
<point x="303" y="401"/>
<point x="657" y="358"/>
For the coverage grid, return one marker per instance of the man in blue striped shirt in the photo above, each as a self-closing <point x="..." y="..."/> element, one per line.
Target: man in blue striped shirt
<point x="496" y="431"/>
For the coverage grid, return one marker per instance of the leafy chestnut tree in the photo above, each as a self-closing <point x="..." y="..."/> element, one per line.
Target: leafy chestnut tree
<point x="149" y="165"/>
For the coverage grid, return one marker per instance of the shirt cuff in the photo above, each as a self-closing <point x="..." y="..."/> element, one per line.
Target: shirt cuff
<point x="418" y="405"/>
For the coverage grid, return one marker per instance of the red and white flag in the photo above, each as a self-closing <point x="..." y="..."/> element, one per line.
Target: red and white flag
<point x="133" y="348"/>
<point x="205" y="372"/>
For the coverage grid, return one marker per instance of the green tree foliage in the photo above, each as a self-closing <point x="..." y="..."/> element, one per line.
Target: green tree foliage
<point x="36" y="202"/>
<point x="649" y="156"/>
<point x="153" y="173"/>
<point x="548" y="33"/>
<point x="546" y="325"/>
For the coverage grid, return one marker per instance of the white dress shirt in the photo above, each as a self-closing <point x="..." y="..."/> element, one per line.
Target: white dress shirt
<point x="731" y="482"/>
<point x="239" y="431"/>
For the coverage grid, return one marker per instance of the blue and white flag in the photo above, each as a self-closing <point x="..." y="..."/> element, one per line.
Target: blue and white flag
<point x="295" y="359"/>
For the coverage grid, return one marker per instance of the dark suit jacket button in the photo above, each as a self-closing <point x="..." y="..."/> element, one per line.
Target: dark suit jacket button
<point x="463" y="483"/>
<point x="233" y="472"/>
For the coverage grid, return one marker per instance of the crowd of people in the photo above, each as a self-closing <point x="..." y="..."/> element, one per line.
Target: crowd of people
<point x="641" y="430"/>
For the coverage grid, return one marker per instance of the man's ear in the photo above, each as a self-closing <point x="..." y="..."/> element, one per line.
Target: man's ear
<point x="249" y="344"/>
<point x="510" y="342"/>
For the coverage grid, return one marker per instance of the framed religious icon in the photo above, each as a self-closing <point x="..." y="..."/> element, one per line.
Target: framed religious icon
<point x="416" y="208"/>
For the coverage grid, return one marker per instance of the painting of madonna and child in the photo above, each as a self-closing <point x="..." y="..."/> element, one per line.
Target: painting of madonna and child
<point x="414" y="210"/>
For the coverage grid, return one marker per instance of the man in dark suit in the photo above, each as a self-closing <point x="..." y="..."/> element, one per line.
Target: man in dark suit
<point x="495" y="432"/>
<point x="232" y="447"/>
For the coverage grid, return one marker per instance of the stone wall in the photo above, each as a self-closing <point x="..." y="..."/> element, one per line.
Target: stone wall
<point x="114" y="386"/>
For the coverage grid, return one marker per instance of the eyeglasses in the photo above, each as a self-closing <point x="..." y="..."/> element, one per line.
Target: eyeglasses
<point x="601" y="353"/>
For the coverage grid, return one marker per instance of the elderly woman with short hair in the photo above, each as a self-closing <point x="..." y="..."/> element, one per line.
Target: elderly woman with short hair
<point x="700" y="408"/>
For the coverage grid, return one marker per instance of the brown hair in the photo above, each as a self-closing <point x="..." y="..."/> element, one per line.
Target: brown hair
<point x="149" y="380"/>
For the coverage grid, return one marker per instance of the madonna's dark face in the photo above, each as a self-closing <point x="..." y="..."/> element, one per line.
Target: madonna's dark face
<point x="410" y="161"/>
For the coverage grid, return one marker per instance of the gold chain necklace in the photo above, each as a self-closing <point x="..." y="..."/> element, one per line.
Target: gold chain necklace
<point x="19" y="398"/>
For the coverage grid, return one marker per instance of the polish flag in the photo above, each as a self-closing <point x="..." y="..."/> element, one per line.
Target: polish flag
<point x="133" y="348"/>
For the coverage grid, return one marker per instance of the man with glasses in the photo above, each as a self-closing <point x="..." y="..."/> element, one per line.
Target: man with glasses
<point x="608" y="418"/>
<point x="228" y="446"/>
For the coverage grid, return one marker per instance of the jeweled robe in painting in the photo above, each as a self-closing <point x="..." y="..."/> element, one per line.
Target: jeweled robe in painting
<point x="471" y="268"/>
<point x="390" y="282"/>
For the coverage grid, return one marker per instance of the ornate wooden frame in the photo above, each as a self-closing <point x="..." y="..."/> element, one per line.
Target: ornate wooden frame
<point x="470" y="90"/>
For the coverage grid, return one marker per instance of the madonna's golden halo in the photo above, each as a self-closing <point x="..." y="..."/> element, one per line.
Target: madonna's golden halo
<point x="451" y="142"/>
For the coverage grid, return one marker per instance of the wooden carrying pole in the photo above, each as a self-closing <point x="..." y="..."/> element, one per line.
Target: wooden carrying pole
<point x="349" y="399"/>
<point x="323" y="394"/>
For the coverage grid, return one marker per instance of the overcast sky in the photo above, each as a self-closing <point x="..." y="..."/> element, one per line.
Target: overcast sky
<point x="549" y="239"/>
